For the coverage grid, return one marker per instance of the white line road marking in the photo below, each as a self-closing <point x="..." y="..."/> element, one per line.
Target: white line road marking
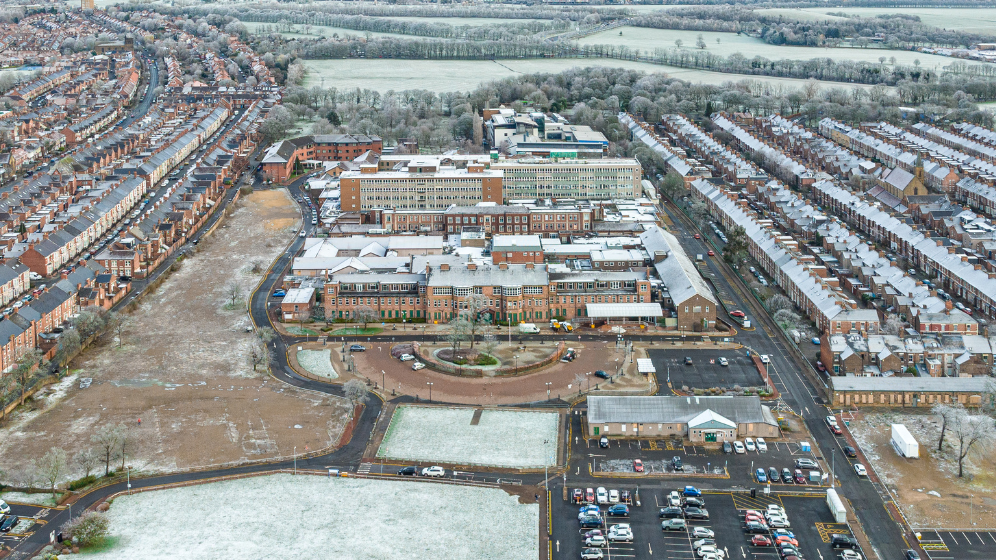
<point x="651" y="549"/>
<point x="992" y="537"/>
<point x="950" y="535"/>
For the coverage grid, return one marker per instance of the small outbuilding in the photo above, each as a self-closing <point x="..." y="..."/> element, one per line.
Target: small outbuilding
<point x="700" y="419"/>
<point x="297" y="304"/>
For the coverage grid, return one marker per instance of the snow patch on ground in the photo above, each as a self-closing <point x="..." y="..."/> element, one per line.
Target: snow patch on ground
<point x="41" y="499"/>
<point x="309" y="516"/>
<point x="502" y="438"/>
<point x="317" y="362"/>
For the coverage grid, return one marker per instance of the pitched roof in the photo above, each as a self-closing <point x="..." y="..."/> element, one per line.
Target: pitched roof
<point x="674" y="410"/>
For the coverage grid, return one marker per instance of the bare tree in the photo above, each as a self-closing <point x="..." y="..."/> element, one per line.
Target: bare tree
<point x="459" y="331"/>
<point x="87" y="460"/>
<point x="24" y="370"/>
<point x="106" y="438"/>
<point x="8" y="387"/>
<point x="266" y="334"/>
<point x="967" y="431"/>
<point x="475" y="312"/>
<point x="579" y="379"/>
<point x="52" y="467"/>
<point x="778" y="302"/>
<point x="489" y="340"/>
<point x="234" y="293"/>
<point x="259" y="353"/>
<point x="70" y="345"/>
<point x="355" y="391"/>
<point x="116" y="323"/>
<point x="893" y="325"/>
<point x="947" y="412"/>
<point x="364" y="314"/>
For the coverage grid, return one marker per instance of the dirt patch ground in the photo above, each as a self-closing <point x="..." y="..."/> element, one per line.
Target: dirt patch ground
<point x="182" y="368"/>
<point x="912" y="480"/>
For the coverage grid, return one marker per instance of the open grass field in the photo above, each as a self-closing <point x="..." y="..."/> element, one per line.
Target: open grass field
<point x="976" y="20"/>
<point x="500" y="438"/>
<point x="465" y="75"/>
<point x="647" y="39"/>
<point x="286" y="517"/>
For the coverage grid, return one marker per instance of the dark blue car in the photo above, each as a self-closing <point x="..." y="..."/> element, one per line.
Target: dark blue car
<point x="619" y="510"/>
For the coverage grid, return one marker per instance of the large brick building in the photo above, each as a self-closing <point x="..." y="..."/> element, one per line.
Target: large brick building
<point x="515" y="292"/>
<point x="280" y="159"/>
<point x="423" y="183"/>
<point x="547" y="221"/>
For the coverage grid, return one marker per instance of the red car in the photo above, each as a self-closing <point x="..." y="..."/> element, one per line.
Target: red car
<point x="637" y="465"/>
<point x="750" y="517"/>
<point x="786" y="539"/>
<point x="578" y="496"/>
<point x="589" y="495"/>
<point x="799" y="477"/>
<point x="836" y="429"/>
<point x="820" y="366"/>
<point x="738" y="313"/>
<point x="760" y="540"/>
<point x="697" y="236"/>
<point x="711" y="254"/>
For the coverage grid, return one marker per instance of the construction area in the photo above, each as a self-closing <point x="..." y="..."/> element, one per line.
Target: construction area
<point x="179" y="379"/>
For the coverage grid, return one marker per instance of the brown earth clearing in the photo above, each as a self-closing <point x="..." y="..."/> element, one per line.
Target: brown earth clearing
<point x="182" y="369"/>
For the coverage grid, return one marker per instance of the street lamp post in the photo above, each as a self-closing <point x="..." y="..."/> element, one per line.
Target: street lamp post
<point x="295" y="459"/>
<point x="548" y="383"/>
<point x="429" y="383"/>
<point x="383" y="384"/>
<point x="128" y="471"/>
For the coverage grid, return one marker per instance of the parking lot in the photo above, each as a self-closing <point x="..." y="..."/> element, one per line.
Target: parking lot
<point x="958" y="545"/>
<point x="811" y="526"/>
<point x="705" y="370"/>
<point x="658" y="455"/>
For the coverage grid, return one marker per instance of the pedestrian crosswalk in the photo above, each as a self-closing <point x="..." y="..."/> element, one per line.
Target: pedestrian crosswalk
<point x="364" y="468"/>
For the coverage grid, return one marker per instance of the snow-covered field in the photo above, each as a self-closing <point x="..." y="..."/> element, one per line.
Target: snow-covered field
<point x="317" y="362"/>
<point x="502" y="438"/>
<point x="37" y="498"/>
<point x="293" y="517"/>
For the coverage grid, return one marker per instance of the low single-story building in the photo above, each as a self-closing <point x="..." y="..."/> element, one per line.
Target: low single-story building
<point x="909" y="391"/>
<point x="297" y="304"/>
<point x="700" y="419"/>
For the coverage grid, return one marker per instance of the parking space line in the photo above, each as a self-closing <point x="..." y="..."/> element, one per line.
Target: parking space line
<point x="991" y="536"/>
<point x="950" y="535"/>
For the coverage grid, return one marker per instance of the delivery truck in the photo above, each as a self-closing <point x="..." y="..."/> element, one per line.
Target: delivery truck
<point x="528" y="328"/>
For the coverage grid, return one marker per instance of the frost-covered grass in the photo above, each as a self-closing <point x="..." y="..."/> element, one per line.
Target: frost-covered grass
<point x="293" y="517"/>
<point x="502" y="438"/>
<point x="317" y="362"/>
<point x="40" y="498"/>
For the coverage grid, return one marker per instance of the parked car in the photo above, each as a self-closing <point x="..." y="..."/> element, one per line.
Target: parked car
<point x="738" y="313"/>
<point x="593" y="533"/>
<point x="850" y="451"/>
<point x="406" y="357"/>
<point x="676" y="463"/>
<point x="761" y="475"/>
<point x="799" y="477"/>
<point x="739" y="447"/>
<point x="777" y="522"/>
<point x="762" y="446"/>
<point x="589" y="495"/>
<point x="787" y="476"/>
<point x="674" y="525"/>
<point x="588" y="510"/>
<point x="357" y="348"/>
<point x="702" y="542"/>
<point x="806" y="464"/>
<point x="848" y="554"/>
<point x="623" y="534"/>
<point x="773" y="474"/>
<point x="613" y="496"/>
<point x="597" y="540"/>
<point x="696" y="513"/>
<point x="749" y="444"/>
<point x="760" y="540"/>
<point x="434" y="472"/>
<point x="619" y="510"/>
<point x="601" y="495"/>
<point x="782" y="533"/>
<point x="860" y="470"/>
<point x="694" y="502"/>
<point x="8" y="523"/>
<point x="671" y="512"/>
<point x="4" y="508"/>
<point x="727" y="447"/>
<point x="703" y="532"/>
<point x="839" y="540"/>
<point x="786" y="539"/>
<point x="577" y="495"/>
<point x="279" y="293"/>
<point x="591" y="521"/>
<point x="592" y="554"/>
<point x="691" y="491"/>
<point x="417" y="366"/>
<point x="408" y="471"/>
<point x="688" y="360"/>
<point x="723" y="361"/>
<point x="603" y="442"/>
<point x="674" y="499"/>
<point x="912" y="555"/>
<point x="601" y="374"/>
<point x="755" y="527"/>
<point x="637" y="465"/>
